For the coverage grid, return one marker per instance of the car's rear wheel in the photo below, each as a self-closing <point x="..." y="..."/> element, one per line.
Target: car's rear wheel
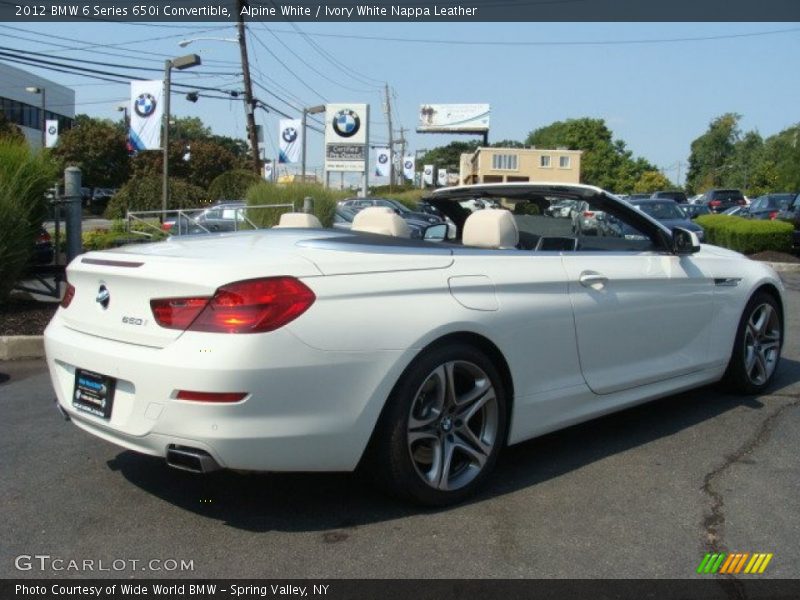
<point x="757" y="349"/>
<point x="443" y="427"/>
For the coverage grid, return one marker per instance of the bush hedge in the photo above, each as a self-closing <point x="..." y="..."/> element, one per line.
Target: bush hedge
<point x="24" y="178"/>
<point x="747" y="236"/>
<point x="144" y="193"/>
<point x="269" y="193"/>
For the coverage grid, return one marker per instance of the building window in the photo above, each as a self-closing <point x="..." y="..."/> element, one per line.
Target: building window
<point x="544" y="161"/>
<point x="504" y="162"/>
<point x="563" y="162"/>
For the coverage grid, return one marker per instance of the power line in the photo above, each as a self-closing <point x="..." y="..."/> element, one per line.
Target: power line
<point x="556" y="43"/>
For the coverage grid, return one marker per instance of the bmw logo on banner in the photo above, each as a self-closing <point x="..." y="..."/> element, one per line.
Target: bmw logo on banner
<point x="146" y="113"/>
<point x="291" y="140"/>
<point x="347" y="138"/>
<point x="383" y="164"/>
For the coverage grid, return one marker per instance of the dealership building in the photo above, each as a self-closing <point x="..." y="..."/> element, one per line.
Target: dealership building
<point x="506" y="165"/>
<point x="28" y="100"/>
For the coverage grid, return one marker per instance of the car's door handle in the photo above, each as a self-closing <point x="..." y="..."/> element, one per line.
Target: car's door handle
<point x="593" y="279"/>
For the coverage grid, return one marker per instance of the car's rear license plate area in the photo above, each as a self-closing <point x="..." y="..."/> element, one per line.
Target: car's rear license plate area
<point x="94" y="393"/>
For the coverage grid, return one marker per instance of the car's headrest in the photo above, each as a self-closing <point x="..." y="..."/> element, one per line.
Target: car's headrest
<point x="491" y="228"/>
<point x="304" y="220"/>
<point x="382" y="220"/>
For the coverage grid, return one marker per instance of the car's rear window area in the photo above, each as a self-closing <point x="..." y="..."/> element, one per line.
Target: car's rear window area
<point x="728" y="195"/>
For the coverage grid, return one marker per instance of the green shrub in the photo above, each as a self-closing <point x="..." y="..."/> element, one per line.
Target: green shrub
<point x="232" y="185"/>
<point x="144" y="193"/>
<point x="269" y="193"/>
<point x="24" y="178"/>
<point x="102" y="239"/>
<point x="747" y="236"/>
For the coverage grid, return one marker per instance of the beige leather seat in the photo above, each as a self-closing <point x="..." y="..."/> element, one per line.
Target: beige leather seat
<point x="303" y="220"/>
<point x="491" y="228"/>
<point x="382" y="220"/>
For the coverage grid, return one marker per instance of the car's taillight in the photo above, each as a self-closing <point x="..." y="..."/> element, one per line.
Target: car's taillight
<point x="773" y="215"/>
<point x="742" y="202"/>
<point x="43" y="238"/>
<point x="715" y="203"/>
<point x="69" y="294"/>
<point x="588" y="213"/>
<point x="252" y="306"/>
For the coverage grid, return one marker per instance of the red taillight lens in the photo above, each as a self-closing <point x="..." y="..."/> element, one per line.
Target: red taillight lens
<point x="588" y="213"/>
<point x="252" y="306"/>
<point x="714" y="203"/>
<point x="69" y="294"/>
<point x="773" y="215"/>
<point x="177" y="313"/>
<point x="43" y="238"/>
<point x="211" y="396"/>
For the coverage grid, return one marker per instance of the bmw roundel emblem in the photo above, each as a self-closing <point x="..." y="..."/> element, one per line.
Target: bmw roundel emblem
<point x="103" y="296"/>
<point x="428" y="171"/>
<point x="289" y="135"/>
<point x="383" y="159"/>
<point x="346" y="123"/>
<point x="51" y="130"/>
<point x="408" y="164"/>
<point x="145" y="105"/>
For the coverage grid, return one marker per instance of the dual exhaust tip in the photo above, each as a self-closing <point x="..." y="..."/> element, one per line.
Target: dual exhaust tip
<point x="189" y="459"/>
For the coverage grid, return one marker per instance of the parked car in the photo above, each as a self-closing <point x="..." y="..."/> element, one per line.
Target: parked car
<point x="633" y="197"/>
<point x="676" y="195"/>
<point x="733" y="211"/>
<point x="719" y="200"/>
<point x="99" y="200"/>
<point x="310" y="350"/>
<point x="400" y="208"/>
<point x="586" y="220"/>
<point x="769" y="206"/>
<point x="669" y="213"/>
<point x="695" y="210"/>
<point x="343" y="217"/>
<point x="562" y="209"/>
<point x="792" y="214"/>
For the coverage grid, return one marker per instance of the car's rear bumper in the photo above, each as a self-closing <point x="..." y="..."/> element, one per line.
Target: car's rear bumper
<point x="306" y="409"/>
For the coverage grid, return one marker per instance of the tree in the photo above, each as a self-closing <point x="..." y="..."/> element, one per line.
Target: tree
<point x="712" y="153"/>
<point x="98" y="147"/>
<point x="652" y="181"/>
<point x="507" y="144"/>
<point x="605" y="162"/>
<point x="449" y="156"/>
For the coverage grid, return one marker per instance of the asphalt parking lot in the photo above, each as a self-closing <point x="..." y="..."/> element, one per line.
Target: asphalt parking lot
<point x="640" y="494"/>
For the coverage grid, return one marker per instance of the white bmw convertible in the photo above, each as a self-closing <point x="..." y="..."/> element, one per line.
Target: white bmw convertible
<point x="305" y="349"/>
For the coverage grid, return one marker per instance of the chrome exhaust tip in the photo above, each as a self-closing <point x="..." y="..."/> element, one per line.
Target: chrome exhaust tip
<point x="61" y="411"/>
<point x="193" y="460"/>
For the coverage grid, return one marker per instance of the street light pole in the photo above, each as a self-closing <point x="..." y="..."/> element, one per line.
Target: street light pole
<point x="252" y="132"/>
<point x="42" y="120"/>
<point x="180" y="63"/>
<point x="307" y="111"/>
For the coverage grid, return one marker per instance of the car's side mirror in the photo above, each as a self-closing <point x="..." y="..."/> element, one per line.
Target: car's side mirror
<point x="436" y="233"/>
<point x="684" y="241"/>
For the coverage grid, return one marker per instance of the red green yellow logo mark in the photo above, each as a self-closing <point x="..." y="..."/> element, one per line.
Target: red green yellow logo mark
<point x="734" y="563"/>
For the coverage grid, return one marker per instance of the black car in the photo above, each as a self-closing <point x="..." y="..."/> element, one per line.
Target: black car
<point x="397" y="206"/>
<point x="668" y="213"/>
<point x="675" y="195"/>
<point x="792" y="214"/>
<point x="768" y="206"/>
<point x="695" y="210"/>
<point x="719" y="200"/>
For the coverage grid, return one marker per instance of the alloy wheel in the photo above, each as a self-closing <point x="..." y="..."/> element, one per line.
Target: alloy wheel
<point x="762" y="342"/>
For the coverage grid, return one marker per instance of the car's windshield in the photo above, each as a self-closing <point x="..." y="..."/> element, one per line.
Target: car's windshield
<point x="661" y="210"/>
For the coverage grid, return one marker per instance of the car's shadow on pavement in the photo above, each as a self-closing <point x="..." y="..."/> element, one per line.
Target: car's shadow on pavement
<point x="334" y="503"/>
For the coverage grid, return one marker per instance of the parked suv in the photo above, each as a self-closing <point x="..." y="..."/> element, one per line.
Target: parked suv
<point x="719" y="200"/>
<point x="792" y="214"/>
<point x="676" y="195"/>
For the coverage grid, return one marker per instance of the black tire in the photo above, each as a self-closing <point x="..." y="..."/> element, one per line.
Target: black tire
<point x="756" y="350"/>
<point x="413" y="430"/>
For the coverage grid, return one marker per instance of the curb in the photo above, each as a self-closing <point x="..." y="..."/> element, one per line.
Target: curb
<point x="784" y="267"/>
<point x="19" y="347"/>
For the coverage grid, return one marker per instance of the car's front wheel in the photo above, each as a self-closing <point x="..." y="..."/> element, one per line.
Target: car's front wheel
<point x="757" y="349"/>
<point x="443" y="427"/>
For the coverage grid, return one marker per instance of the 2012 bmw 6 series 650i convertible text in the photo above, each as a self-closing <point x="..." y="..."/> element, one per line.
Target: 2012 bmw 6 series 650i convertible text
<point x="305" y="349"/>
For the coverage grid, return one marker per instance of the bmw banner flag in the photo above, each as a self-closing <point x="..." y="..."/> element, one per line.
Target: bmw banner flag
<point x="268" y="171"/>
<point x="383" y="162"/>
<point x="408" y="166"/>
<point x="51" y="133"/>
<point x="442" y="177"/>
<point x="146" y="112"/>
<point x="427" y="175"/>
<point x="291" y="142"/>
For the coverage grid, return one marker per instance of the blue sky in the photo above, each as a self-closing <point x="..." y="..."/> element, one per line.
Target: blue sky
<point x="656" y="96"/>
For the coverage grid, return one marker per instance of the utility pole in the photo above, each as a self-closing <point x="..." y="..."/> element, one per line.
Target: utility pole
<point x="249" y="104"/>
<point x="402" y="142"/>
<point x="387" y="109"/>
